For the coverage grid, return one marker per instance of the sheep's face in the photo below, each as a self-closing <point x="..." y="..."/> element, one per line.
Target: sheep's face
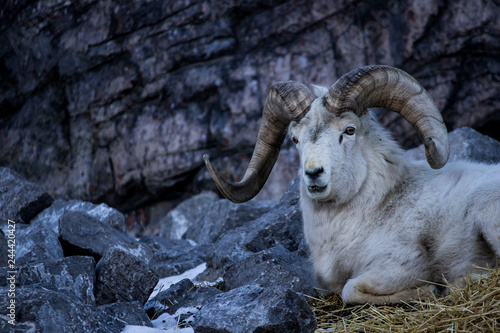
<point x="332" y="164"/>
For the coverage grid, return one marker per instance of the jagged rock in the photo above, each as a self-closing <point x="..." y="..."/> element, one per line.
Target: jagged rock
<point x="273" y="267"/>
<point x="20" y="200"/>
<point x="82" y="234"/>
<point x="102" y="212"/>
<point x="194" y="300"/>
<point x="253" y="308"/>
<point x="179" y="219"/>
<point x="224" y="215"/>
<point x="130" y="312"/>
<point x="174" y="257"/>
<point x="226" y="251"/>
<point x="159" y="244"/>
<point x="177" y="261"/>
<point x="465" y="144"/>
<point x="36" y="243"/>
<point x="54" y="311"/>
<point x="122" y="277"/>
<point x="73" y="275"/>
<point x="280" y="226"/>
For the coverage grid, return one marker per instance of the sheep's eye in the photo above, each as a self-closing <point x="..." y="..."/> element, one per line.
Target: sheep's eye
<point x="350" y="130"/>
<point x="295" y="140"/>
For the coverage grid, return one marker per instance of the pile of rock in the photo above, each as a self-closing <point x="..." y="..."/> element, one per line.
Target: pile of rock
<point x="237" y="267"/>
<point x="76" y="269"/>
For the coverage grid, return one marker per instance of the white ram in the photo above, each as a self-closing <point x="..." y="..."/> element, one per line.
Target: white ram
<point x="380" y="228"/>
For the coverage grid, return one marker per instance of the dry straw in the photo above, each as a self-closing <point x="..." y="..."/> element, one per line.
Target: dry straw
<point x="474" y="307"/>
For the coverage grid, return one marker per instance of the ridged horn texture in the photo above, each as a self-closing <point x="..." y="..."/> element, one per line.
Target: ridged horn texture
<point x="286" y="102"/>
<point x="395" y="90"/>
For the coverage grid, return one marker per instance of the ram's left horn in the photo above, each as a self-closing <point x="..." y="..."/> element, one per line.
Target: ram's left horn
<point x="395" y="90"/>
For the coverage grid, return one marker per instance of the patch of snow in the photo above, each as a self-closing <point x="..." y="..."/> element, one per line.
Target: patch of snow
<point x="170" y="322"/>
<point x="145" y="329"/>
<point x="192" y="242"/>
<point x="165" y="283"/>
<point x="217" y="282"/>
<point x="180" y="224"/>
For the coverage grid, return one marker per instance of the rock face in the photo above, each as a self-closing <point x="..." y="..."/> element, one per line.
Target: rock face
<point x="117" y="101"/>
<point x="249" y="273"/>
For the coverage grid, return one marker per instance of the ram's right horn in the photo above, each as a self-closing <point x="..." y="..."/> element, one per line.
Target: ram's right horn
<point x="286" y="102"/>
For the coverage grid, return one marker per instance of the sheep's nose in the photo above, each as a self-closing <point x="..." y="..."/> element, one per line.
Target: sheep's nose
<point x="314" y="173"/>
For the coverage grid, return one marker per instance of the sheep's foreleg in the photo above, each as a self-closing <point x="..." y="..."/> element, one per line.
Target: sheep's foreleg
<point x="360" y="292"/>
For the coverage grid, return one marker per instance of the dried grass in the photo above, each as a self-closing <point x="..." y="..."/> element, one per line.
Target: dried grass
<point x="475" y="307"/>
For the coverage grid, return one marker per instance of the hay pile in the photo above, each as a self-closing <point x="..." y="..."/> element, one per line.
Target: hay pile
<point x="472" y="308"/>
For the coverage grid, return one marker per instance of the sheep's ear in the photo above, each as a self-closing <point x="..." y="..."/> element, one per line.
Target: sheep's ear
<point x="319" y="91"/>
<point x="291" y="127"/>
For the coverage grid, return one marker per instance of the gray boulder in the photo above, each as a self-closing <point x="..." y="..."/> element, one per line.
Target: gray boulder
<point x="73" y="275"/>
<point x="179" y="219"/>
<point x="131" y="313"/>
<point x="465" y="144"/>
<point x="36" y="243"/>
<point x="253" y="308"/>
<point x="20" y="200"/>
<point x="174" y="256"/>
<point x="54" y="311"/>
<point x="82" y="234"/>
<point x="273" y="267"/>
<point x="102" y="212"/>
<point x="122" y="277"/>
<point x="224" y="215"/>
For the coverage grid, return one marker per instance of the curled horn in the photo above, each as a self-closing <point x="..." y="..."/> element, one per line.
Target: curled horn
<point x="286" y="102"/>
<point x="395" y="90"/>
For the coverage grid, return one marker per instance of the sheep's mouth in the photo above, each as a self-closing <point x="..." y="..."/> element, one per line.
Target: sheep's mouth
<point x="316" y="189"/>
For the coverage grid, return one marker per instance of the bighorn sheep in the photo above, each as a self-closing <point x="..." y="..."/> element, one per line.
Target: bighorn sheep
<point x="380" y="228"/>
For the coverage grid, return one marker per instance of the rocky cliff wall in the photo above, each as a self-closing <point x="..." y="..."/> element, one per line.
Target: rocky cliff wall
<point x="117" y="101"/>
